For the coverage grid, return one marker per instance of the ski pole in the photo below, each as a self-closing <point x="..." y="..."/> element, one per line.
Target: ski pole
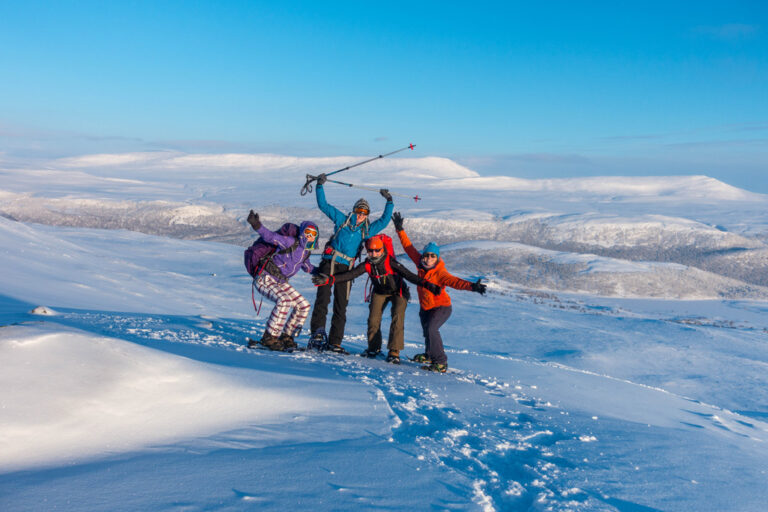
<point x="363" y="187"/>
<point x="307" y="188"/>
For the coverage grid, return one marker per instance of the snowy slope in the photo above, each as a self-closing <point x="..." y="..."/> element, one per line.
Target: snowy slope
<point x="554" y="402"/>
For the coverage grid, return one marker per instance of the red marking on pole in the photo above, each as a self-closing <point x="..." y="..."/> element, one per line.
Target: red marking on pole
<point x="410" y="146"/>
<point x="416" y="199"/>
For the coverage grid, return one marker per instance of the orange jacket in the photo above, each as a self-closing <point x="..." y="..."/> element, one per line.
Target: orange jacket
<point x="437" y="275"/>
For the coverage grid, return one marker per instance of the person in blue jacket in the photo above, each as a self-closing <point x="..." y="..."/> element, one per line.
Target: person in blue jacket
<point x="350" y="232"/>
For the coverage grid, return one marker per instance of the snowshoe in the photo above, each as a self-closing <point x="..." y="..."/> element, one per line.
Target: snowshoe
<point x="369" y="353"/>
<point x="421" y="358"/>
<point x="337" y="349"/>
<point x="436" y="367"/>
<point x="318" y="341"/>
<point x="393" y="357"/>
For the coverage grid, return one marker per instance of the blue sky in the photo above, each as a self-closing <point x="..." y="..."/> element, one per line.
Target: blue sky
<point x="549" y="90"/>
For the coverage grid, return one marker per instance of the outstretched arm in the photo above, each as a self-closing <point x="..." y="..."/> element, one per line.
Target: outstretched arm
<point x="350" y="275"/>
<point x="445" y="278"/>
<point x="403" y="271"/>
<point x="325" y="280"/>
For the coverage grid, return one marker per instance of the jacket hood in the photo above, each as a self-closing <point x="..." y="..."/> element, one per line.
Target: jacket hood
<point x="302" y="239"/>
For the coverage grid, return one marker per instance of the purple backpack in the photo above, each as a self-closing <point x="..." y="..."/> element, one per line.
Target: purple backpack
<point x="260" y="253"/>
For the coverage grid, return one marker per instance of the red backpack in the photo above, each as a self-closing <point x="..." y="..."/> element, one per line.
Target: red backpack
<point x="390" y="253"/>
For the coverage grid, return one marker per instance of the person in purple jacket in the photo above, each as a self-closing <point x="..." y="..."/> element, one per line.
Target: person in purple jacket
<point x="291" y="308"/>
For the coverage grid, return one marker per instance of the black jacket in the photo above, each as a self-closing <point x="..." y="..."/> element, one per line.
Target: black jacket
<point x="383" y="284"/>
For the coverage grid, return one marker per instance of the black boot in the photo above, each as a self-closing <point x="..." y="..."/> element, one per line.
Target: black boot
<point x="370" y="353"/>
<point x="288" y="344"/>
<point x="393" y="357"/>
<point x="271" y="342"/>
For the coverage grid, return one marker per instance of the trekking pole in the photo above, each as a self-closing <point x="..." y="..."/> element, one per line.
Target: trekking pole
<point x="363" y="187"/>
<point x="307" y="188"/>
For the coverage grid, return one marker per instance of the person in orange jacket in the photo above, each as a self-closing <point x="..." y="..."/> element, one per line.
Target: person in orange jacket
<point x="435" y="309"/>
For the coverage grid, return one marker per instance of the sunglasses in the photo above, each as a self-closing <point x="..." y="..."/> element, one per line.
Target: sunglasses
<point x="375" y="251"/>
<point x="309" y="232"/>
<point x="428" y="255"/>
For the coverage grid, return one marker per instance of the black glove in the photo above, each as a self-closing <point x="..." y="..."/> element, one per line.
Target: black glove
<point x="385" y="194"/>
<point x="397" y="220"/>
<point x="479" y="287"/>
<point x="253" y="220"/>
<point x="432" y="288"/>
<point x="320" y="279"/>
<point x="321" y="179"/>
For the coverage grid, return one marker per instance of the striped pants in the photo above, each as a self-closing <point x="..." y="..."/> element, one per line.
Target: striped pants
<point x="291" y="309"/>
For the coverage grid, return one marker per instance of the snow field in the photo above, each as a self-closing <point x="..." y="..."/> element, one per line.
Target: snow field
<point x="551" y="403"/>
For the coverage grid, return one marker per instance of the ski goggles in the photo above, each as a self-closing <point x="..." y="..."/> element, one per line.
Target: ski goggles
<point x="310" y="232"/>
<point x="362" y="211"/>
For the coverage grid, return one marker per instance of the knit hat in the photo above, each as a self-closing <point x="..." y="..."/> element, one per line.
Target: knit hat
<point x="432" y="247"/>
<point x="361" y="203"/>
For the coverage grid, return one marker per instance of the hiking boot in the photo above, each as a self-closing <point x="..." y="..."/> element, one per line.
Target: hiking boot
<point x="370" y="353"/>
<point x="436" y="367"/>
<point x="288" y="344"/>
<point x="271" y="342"/>
<point x="421" y="358"/>
<point x="317" y="341"/>
<point x="337" y="349"/>
<point x="393" y="357"/>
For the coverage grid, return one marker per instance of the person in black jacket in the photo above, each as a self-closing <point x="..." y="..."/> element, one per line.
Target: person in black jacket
<point x="387" y="276"/>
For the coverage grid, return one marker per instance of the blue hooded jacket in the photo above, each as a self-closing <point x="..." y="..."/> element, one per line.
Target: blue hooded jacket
<point x="349" y="238"/>
<point x="289" y="263"/>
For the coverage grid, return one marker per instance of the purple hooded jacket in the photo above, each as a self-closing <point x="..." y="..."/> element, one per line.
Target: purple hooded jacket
<point x="290" y="263"/>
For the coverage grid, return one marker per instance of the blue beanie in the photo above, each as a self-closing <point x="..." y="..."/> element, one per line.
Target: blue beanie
<point x="433" y="248"/>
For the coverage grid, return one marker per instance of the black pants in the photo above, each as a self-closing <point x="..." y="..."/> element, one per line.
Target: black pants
<point x="340" y="301"/>
<point x="431" y="321"/>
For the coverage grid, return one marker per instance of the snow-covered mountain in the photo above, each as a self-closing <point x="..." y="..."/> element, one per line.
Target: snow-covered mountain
<point x="694" y="221"/>
<point x="617" y="362"/>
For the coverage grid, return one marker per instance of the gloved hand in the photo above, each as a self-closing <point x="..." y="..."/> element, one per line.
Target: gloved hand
<point x="385" y="194"/>
<point x="320" y="279"/>
<point x="397" y="220"/>
<point x="432" y="288"/>
<point x="479" y="287"/>
<point x="253" y="220"/>
<point x="321" y="179"/>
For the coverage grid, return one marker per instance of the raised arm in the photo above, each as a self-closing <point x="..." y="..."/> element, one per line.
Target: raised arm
<point x="333" y="213"/>
<point x="410" y="250"/>
<point x="382" y="221"/>
<point x="282" y="241"/>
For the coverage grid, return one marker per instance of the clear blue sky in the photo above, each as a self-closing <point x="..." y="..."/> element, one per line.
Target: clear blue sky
<point x="548" y="90"/>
